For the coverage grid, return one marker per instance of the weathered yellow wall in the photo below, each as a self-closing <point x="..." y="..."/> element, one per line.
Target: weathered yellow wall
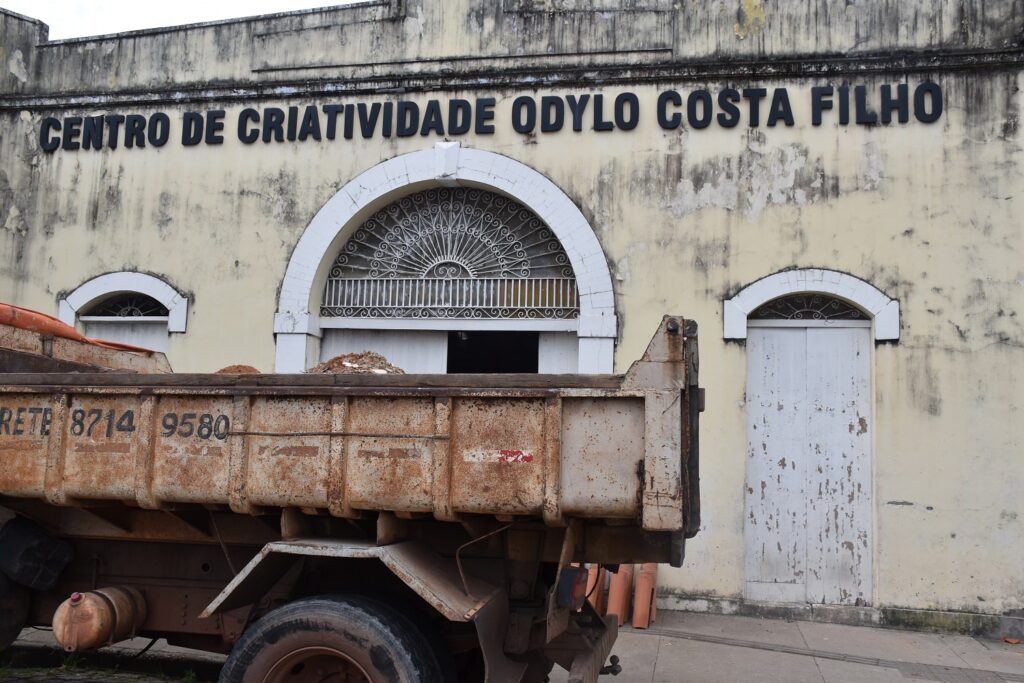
<point x="929" y="214"/>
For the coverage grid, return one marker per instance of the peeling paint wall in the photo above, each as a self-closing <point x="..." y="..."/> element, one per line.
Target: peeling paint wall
<point x="372" y="40"/>
<point x="929" y="214"/>
<point x="18" y="37"/>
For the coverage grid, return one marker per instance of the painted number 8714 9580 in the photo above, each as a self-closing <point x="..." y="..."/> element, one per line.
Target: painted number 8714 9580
<point x="201" y="425"/>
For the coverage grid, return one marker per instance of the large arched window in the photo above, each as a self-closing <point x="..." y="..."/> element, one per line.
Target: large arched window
<point x="572" y="335"/>
<point x="441" y="267"/>
<point x="454" y="253"/>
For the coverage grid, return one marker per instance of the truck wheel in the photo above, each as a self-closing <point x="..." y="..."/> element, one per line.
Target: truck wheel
<point x="343" y="638"/>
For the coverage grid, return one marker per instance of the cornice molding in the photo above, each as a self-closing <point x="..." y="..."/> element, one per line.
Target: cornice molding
<point x="533" y="77"/>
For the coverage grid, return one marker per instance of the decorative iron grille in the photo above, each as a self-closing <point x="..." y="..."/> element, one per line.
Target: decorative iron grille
<point x="808" y="307"/>
<point x="452" y="253"/>
<point x="130" y="305"/>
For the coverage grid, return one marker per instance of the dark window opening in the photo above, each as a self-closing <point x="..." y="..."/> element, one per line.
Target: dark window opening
<point x="128" y="305"/>
<point x="492" y="352"/>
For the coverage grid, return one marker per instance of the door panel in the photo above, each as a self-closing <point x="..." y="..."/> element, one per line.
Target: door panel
<point x="148" y="335"/>
<point x="411" y="350"/>
<point x="558" y="353"/>
<point x="808" y="484"/>
<point x="775" y="487"/>
<point x="839" y="507"/>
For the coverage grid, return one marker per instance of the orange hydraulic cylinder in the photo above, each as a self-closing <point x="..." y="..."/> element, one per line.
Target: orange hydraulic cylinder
<point x="643" y="599"/>
<point x="620" y="590"/>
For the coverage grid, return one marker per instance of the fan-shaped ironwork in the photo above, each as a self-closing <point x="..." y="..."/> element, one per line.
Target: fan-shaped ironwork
<point x="128" y="305"/>
<point x="452" y="253"/>
<point x="808" y="307"/>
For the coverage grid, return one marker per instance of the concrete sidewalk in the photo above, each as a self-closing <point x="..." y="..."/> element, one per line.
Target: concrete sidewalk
<point x="684" y="647"/>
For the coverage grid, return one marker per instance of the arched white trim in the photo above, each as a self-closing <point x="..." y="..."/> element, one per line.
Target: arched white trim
<point x="126" y="281"/>
<point x="884" y="311"/>
<point x="445" y="164"/>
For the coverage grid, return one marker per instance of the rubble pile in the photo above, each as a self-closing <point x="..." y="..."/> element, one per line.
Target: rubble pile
<point x="363" y="363"/>
<point x="238" y="370"/>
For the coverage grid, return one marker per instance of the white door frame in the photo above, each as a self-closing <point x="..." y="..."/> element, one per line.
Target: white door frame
<point x="885" y="312"/>
<point x="298" y="326"/>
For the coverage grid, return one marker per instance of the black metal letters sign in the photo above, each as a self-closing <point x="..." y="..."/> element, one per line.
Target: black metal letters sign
<point x="698" y="109"/>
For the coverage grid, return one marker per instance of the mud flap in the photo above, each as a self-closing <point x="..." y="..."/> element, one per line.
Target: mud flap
<point x="585" y="645"/>
<point x="491" y="622"/>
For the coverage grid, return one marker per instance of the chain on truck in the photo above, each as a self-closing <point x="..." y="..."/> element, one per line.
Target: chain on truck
<point x="413" y="528"/>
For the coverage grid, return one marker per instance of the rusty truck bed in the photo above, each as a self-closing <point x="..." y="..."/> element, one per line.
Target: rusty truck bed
<point x="550" y="447"/>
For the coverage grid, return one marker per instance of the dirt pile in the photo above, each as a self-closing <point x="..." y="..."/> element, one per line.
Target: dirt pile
<point x="238" y="370"/>
<point x="363" y="363"/>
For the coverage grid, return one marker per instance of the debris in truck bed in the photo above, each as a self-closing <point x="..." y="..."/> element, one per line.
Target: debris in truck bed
<point x="238" y="370"/>
<point x="363" y="363"/>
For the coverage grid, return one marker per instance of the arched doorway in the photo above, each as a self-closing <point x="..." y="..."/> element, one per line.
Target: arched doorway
<point x="583" y="340"/>
<point x="808" y="514"/>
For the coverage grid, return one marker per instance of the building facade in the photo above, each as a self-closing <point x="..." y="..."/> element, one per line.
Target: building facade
<point x="832" y="190"/>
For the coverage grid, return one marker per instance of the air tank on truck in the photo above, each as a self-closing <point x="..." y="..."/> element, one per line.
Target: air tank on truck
<point x="413" y="528"/>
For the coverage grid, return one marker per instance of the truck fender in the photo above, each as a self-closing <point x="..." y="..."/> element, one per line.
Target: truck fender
<point x="434" y="578"/>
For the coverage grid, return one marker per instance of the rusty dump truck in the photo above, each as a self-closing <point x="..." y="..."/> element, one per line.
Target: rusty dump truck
<point x="338" y="527"/>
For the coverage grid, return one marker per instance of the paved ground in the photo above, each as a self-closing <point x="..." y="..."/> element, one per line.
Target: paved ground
<point x="681" y="648"/>
<point x="36" y="657"/>
<point x="705" y="648"/>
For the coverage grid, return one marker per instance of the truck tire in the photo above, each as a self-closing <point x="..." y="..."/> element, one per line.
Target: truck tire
<point x="14" y="603"/>
<point x="31" y="556"/>
<point x="317" y="638"/>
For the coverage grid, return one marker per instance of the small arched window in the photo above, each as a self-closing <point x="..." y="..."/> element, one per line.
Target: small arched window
<point x="128" y="318"/>
<point x="132" y="305"/>
<point x="802" y="295"/>
<point x="127" y="307"/>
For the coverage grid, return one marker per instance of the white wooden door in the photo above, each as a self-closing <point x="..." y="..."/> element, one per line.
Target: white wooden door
<point x="808" y="513"/>
<point x="558" y="353"/>
<point x="151" y="335"/>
